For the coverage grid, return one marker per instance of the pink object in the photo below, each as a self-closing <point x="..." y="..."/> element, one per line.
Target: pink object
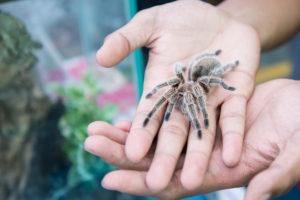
<point x="123" y="97"/>
<point x="77" y="70"/>
<point x="73" y="69"/>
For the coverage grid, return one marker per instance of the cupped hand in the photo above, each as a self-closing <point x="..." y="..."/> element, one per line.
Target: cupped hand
<point x="176" y="32"/>
<point x="270" y="159"/>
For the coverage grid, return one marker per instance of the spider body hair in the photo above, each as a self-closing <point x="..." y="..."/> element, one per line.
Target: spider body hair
<point x="189" y="96"/>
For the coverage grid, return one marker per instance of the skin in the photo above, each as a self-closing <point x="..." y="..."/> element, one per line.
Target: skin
<point x="171" y="42"/>
<point x="236" y="24"/>
<point x="267" y="18"/>
<point x="269" y="163"/>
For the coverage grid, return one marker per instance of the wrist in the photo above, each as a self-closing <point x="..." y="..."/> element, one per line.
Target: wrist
<point x="233" y="9"/>
<point x="267" y="18"/>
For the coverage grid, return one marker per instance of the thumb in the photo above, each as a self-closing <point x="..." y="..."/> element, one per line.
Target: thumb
<point x="122" y="42"/>
<point x="283" y="173"/>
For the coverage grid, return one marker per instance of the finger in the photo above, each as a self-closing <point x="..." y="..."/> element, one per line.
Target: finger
<point x="232" y="123"/>
<point x="148" y="120"/>
<point x="171" y="140"/>
<point x="108" y="130"/>
<point x="140" y="137"/>
<point x="124" y="125"/>
<point x="133" y="182"/>
<point x="122" y="42"/>
<point x="233" y="112"/>
<point x="198" y="154"/>
<point x="113" y="153"/>
<point x="283" y="173"/>
<point x="232" y="119"/>
<point x="127" y="181"/>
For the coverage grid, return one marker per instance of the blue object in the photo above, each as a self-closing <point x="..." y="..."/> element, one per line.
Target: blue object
<point x="137" y="54"/>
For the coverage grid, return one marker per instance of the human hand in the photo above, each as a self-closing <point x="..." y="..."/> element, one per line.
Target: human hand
<point x="176" y="32"/>
<point x="270" y="155"/>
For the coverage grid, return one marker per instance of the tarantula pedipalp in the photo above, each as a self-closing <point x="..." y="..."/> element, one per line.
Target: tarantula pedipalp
<point x="204" y="72"/>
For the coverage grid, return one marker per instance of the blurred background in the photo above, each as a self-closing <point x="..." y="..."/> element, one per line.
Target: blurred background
<point x="51" y="89"/>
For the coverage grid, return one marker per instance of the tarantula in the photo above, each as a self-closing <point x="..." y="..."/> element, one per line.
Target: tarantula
<point x="189" y="96"/>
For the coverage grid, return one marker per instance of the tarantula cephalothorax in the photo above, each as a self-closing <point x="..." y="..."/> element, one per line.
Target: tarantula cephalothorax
<point x="189" y="96"/>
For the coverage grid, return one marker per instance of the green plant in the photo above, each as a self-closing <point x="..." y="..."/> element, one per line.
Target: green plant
<point x="80" y="109"/>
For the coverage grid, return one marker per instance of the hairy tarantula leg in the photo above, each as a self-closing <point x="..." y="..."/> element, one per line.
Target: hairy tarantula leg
<point x="158" y="104"/>
<point x="201" y="97"/>
<point x="225" y="68"/>
<point x="169" y="111"/>
<point x="218" y="52"/>
<point x="199" y="57"/>
<point x="208" y="80"/>
<point x="171" y="82"/>
<point x="170" y="107"/>
<point x="191" y="109"/>
<point x="179" y="70"/>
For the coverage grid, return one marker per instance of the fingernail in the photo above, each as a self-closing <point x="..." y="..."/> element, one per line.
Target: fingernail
<point x="106" y="38"/>
<point x="98" y="52"/>
<point x="105" y="185"/>
<point x="103" y="41"/>
<point x="87" y="145"/>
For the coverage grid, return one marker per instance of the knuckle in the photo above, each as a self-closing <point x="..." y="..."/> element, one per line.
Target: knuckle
<point x="146" y="16"/>
<point x="166" y="156"/>
<point x="236" y="98"/>
<point x="234" y="110"/>
<point x="233" y="132"/>
<point x="233" y="115"/>
<point x="150" y="134"/>
<point x="230" y="119"/>
<point x="199" y="152"/>
<point x="174" y="129"/>
<point x="126" y="45"/>
<point x="240" y="97"/>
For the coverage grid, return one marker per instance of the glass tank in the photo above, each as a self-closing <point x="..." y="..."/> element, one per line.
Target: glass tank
<point x="50" y="89"/>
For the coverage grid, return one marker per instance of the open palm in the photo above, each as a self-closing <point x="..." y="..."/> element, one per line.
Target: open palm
<point x="270" y="154"/>
<point x="176" y="32"/>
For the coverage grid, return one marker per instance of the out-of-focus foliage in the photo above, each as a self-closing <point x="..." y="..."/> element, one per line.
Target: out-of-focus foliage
<point x="16" y="46"/>
<point x="81" y="109"/>
<point x="23" y="107"/>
